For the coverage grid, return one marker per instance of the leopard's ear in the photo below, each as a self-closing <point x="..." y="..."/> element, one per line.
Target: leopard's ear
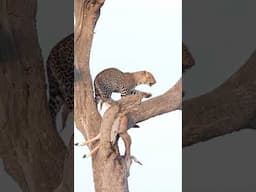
<point x="148" y="74"/>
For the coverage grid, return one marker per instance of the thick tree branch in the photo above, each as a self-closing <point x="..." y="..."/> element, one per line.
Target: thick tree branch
<point x="226" y="109"/>
<point x="86" y="115"/>
<point x="87" y="118"/>
<point x="169" y="101"/>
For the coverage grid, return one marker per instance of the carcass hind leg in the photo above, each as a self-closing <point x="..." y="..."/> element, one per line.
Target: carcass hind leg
<point x="97" y="137"/>
<point x="94" y="150"/>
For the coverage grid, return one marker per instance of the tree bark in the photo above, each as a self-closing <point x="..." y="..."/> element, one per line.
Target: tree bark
<point x="67" y="182"/>
<point x="31" y="149"/>
<point x="86" y="116"/>
<point x="228" y="108"/>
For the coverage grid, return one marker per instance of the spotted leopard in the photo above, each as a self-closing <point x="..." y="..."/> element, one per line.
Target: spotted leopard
<point x="60" y="67"/>
<point x="113" y="80"/>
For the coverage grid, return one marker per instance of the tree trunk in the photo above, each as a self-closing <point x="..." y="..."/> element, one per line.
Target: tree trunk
<point x="86" y="116"/>
<point x="31" y="149"/>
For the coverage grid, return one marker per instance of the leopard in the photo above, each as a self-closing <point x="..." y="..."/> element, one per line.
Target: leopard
<point x="60" y="74"/>
<point x="112" y="80"/>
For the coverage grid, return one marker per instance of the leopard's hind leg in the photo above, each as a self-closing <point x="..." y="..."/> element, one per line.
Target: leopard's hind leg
<point x="55" y="99"/>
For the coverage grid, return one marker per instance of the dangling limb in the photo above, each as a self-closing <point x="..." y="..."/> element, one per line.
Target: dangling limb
<point x="97" y="137"/>
<point x="136" y="160"/>
<point x="123" y="124"/>
<point x="115" y="131"/>
<point x="64" y="116"/>
<point x="127" y="143"/>
<point x="92" y="151"/>
<point x="121" y="127"/>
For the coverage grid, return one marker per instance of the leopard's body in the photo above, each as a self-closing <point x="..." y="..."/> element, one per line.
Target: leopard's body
<point x="113" y="80"/>
<point x="60" y="67"/>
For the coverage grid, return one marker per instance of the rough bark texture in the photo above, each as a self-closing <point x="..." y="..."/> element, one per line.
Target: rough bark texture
<point x="110" y="173"/>
<point x="228" y="108"/>
<point x="67" y="182"/>
<point x="86" y="116"/>
<point x="31" y="149"/>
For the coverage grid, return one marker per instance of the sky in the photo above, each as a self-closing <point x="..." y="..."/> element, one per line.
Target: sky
<point x="141" y="35"/>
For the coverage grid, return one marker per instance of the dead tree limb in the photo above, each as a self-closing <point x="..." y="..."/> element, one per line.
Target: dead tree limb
<point x="224" y="110"/>
<point x="167" y="102"/>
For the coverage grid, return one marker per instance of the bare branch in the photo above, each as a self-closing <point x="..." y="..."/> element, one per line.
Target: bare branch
<point x="226" y="109"/>
<point x="169" y="101"/>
